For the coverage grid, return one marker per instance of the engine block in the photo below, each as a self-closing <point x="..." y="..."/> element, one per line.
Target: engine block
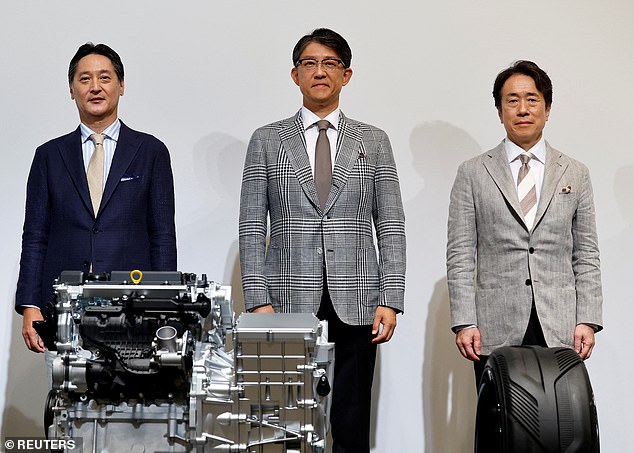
<point x="143" y="363"/>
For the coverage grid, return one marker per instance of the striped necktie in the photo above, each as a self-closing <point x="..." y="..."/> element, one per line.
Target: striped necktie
<point x="526" y="191"/>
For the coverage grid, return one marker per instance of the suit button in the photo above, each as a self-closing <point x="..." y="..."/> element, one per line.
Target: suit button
<point x="95" y="230"/>
<point x="531" y="250"/>
<point x="319" y="251"/>
<point x="528" y="282"/>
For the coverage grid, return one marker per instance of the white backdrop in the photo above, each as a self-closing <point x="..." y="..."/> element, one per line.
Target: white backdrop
<point x="202" y="75"/>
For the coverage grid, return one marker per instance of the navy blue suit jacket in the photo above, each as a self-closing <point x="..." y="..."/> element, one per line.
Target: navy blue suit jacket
<point x="133" y="229"/>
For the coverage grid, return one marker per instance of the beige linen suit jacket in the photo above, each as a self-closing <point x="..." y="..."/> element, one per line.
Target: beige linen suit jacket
<point x="496" y="266"/>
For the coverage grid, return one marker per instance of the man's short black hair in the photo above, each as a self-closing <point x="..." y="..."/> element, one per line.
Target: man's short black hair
<point x="527" y="68"/>
<point x="328" y="38"/>
<point x="99" y="49"/>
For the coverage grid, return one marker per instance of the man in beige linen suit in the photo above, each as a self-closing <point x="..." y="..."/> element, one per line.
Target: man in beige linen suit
<point x="523" y="272"/>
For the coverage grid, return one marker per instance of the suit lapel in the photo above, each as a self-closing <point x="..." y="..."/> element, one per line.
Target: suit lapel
<point x="127" y="148"/>
<point x="554" y="169"/>
<point x="294" y="144"/>
<point x="71" y="153"/>
<point x="498" y="167"/>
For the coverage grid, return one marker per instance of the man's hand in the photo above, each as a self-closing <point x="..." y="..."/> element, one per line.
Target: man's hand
<point x="31" y="338"/>
<point x="584" y="340"/>
<point x="264" y="309"/>
<point x="384" y="324"/>
<point x="468" y="342"/>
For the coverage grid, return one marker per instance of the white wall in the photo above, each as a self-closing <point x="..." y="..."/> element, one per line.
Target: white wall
<point x="202" y="75"/>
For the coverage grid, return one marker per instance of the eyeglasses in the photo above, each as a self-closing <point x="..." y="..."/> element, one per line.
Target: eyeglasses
<point x="311" y="64"/>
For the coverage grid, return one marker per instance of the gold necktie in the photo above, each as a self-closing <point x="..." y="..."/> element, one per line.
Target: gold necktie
<point x="95" y="172"/>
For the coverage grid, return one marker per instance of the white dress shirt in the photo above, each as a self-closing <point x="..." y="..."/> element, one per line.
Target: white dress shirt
<point x="311" y="132"/>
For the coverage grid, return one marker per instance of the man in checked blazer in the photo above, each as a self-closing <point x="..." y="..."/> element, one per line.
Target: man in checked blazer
<point x="133" y="225"/>
<point x="322" y="257"/>
<point x="514" y="278"/>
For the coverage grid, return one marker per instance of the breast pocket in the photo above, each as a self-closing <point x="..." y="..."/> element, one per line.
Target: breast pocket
<point x="567" y="193"/>
<point x="560" y="214"/>
<point x="131" y="191"/>
<point x="130" y="178"/>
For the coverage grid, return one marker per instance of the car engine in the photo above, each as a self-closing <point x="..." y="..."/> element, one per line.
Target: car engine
<point x="154" y="362"/>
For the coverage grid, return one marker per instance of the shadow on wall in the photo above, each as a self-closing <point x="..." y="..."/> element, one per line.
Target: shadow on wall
<point x="615" y="251"/>
<point x="218" y="160"/>
<point x="26" y="389"/>
<point x="448" y="386"/>
<point x="613" y="383"/>
<point x="623" y="189"/>
<point x="449" y="392"/>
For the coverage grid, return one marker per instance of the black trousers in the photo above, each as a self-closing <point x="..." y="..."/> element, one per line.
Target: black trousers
<point x="534" y="336"/>
<point x="355" y="357"/>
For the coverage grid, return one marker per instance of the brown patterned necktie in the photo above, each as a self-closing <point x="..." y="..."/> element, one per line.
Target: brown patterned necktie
<point x="526" y="190"/>
<point x="323" y="163"/>
<point x="94" y="173"/>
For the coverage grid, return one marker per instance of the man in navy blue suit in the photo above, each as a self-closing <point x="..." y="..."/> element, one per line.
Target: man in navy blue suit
<point x="120" y="217"/>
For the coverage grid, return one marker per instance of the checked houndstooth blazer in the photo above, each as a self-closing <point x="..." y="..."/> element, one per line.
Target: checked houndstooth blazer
<point x="278" y="183"/>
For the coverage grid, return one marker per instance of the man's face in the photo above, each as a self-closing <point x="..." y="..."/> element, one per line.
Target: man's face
<point x="523" y="111"/>
<point x="96" y="90"/>
<point x="320" y="87"/>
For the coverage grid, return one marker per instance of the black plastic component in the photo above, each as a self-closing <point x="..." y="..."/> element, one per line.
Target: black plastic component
<point x="47" y="328"/>
<point x="71" y="277"/>
<point x="323" y="386"/>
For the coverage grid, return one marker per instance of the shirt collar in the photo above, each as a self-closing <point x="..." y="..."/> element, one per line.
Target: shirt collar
<point x="111" y="132"/>
<point x="309" y="118"/>
<point x="538" y="150"/>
